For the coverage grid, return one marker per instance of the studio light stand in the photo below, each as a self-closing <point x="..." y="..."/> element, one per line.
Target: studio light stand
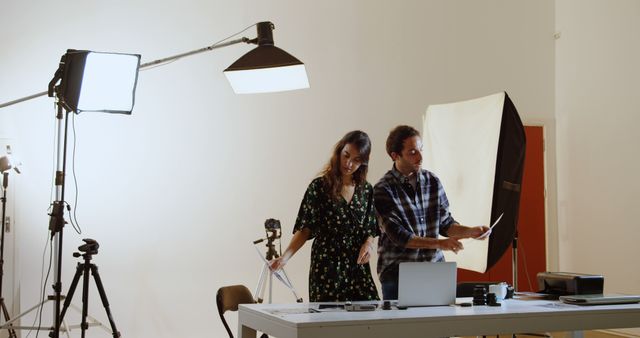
<point x="57" y="222"/>
<point x="273" y="232"/>
<point x="5" y="312"/>
<point x="67" y="88"/>
<point x="70" y="97"/>
<point x="56" y="225"/>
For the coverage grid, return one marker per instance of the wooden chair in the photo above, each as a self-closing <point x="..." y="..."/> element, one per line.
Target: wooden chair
<point x="228" y="298"/>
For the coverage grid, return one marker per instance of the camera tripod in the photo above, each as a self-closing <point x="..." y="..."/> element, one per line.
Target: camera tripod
<point x="272" y="228"/>
<point x="88" y="249"/>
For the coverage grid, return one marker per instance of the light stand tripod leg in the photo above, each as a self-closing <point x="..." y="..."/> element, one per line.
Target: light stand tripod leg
<point x="7" y="324"/>
<point x="12" y="332"/>
<point x="91" y="321"/>
<point x="270" y="286"/>
<point x="290" y="286"/>
<point x="85" y="297"/>
<point x="66" y="328"/>
<point x="105" y="302"/>
<point x="72" y="290"/>
<point x="259" y="293"/>
<point x="263" y="287"/>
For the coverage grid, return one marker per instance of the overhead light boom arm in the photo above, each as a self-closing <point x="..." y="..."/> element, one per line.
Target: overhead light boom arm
<point x="193" y="52"/>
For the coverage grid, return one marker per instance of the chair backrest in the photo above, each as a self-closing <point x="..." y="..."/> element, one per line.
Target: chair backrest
<point x="228" y="298"/>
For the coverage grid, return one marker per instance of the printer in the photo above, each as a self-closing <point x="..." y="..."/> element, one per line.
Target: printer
<point x="569" y="283"/>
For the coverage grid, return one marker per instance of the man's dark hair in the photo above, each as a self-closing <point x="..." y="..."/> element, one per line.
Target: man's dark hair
<point x="397" y="136"/>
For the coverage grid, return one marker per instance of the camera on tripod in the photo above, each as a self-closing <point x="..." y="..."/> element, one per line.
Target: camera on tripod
<point x="273" y="229"/>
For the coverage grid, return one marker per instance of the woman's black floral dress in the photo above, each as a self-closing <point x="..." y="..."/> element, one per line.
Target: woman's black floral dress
<point x="339" y="229"/>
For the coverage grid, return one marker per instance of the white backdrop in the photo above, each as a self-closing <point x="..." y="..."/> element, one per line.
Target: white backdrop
<point x="597" y="112"/>
<point x="176" y="192"/>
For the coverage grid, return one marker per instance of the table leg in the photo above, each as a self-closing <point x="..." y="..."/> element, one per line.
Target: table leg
<point x="245" y="331"/>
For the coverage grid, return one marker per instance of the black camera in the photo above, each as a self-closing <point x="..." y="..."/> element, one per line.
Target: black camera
<point x="272" y="229"/>
<point x="272" y="224"/>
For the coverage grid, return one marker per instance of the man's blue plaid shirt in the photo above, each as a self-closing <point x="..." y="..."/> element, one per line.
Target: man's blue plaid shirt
<point x="405" y="212"/>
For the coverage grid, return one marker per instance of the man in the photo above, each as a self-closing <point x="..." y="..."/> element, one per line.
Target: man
<point x="413" y="209"/>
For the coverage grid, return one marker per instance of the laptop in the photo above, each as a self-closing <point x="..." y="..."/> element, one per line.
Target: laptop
<point x="427" y="284"/>
<point x="600" y="299"/>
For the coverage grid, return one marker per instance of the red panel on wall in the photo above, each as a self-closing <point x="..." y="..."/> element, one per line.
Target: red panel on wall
<point x="531" y="224"/>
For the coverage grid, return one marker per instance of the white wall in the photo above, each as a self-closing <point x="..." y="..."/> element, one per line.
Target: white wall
<point x="597" y="102"/>
<point x="176" y="192"/>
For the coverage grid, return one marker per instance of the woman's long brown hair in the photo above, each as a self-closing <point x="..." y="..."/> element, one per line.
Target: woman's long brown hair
<point x="332" y="175"/>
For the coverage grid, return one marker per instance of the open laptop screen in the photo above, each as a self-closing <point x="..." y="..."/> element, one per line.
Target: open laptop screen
<point x="427" y="284"/>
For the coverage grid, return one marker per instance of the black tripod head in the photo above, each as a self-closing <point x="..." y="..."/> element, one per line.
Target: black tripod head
<point x="88" y="249"/>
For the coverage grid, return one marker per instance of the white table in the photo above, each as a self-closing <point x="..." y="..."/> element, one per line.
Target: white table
<point x="293" y="320"/>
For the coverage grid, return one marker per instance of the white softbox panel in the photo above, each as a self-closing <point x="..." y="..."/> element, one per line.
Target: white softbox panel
<point x="468" y="146"/>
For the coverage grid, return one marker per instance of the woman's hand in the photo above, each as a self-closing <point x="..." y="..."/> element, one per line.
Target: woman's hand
<point x="278" y="263"/>
<point x="298" y="240"/>
<point x="365" y="252"/>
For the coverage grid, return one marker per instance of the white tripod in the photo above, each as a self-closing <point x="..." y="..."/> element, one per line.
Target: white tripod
<point x="272" y="228"/>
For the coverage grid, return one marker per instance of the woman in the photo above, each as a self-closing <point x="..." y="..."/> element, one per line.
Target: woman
<point x="337" y="211"/>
